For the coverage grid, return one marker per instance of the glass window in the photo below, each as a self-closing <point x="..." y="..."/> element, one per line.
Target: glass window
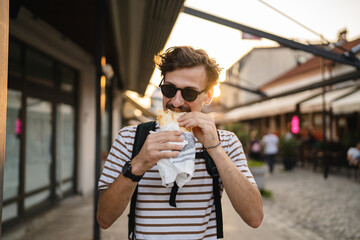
<point x="12" y="149"/>
<point x="9" y="212"/>
<point x="67" y="78"/>
<point x="15" y="54"/>
<point x="65" y="147"/>
<point x="38" y="144"/>
<point x="36" y="198"/>
<point x="39" y="68"/>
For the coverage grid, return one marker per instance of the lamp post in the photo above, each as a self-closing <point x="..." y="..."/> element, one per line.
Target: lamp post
<point x="100" y="40"/>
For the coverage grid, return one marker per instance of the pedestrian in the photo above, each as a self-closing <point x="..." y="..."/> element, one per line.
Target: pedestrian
<point x="255" y="147"/>
<point x="188" y="78"/>
<point x="353" y="156"/>
<point x="271" y="147"/>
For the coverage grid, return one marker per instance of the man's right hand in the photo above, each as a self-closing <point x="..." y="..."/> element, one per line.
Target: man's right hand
<point x="156" y="147"/>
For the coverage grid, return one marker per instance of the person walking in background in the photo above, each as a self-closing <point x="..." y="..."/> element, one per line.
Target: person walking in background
<point x="254" y="146"/>
<point x="353" y="156"/>
<point x="270" y="143"/>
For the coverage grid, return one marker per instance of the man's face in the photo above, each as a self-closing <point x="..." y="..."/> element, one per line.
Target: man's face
<point x="194" y="78"/>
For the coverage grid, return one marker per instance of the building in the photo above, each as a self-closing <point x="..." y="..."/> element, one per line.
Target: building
<point x="299" y="92"/>
<point x="61" y="55"/>
<point x="256" y="68"/>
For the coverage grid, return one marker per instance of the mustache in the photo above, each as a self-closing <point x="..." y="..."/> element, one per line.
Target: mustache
<point x="177" y="109"/>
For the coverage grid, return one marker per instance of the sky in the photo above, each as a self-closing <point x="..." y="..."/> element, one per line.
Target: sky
<point x="325" y="17"/>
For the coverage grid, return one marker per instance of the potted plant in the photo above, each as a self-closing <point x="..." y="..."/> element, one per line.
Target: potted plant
<point x="288" y="148"/>
<point x="258" y="170"/>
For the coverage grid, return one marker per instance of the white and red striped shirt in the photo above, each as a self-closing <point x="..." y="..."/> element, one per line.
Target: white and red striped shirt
<point x="194" y="216"/>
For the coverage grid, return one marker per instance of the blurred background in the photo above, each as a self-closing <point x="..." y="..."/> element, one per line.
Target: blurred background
<point x="78" y="71"/>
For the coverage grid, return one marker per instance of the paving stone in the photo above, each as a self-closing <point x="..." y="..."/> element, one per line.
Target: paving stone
<point x="304" y="206"/>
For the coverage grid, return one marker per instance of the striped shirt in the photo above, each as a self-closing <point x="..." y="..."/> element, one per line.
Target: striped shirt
<point x="194" y="217"/>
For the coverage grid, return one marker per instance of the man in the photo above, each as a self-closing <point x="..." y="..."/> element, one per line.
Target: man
<point x="270" y="142"/>
<point x="188" y="78"/>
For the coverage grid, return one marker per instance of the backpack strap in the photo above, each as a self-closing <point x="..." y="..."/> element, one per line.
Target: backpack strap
<point x="213" y="172"/>
<point x="142" y="131"/>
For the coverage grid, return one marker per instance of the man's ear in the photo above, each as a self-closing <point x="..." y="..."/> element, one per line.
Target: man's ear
<point x="209" y="96"/>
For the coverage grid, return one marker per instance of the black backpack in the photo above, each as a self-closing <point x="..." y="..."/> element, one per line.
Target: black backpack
<point x="142" y="132"/>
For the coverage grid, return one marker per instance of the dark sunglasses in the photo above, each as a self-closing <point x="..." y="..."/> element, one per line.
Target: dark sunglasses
<point x="188" y="94"/>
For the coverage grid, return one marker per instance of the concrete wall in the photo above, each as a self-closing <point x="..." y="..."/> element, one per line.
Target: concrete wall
<point x="43" y="37"/>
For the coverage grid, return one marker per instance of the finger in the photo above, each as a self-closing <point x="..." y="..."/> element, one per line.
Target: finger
<point x="170" y="146"/>
<point x="195" y="114"/>
<point x="196" y="119"/>
<point x="171" y="154"/>
<point x="190" y="122"/>
<point x="166" y="136"/>
<point x="166" y="133"/>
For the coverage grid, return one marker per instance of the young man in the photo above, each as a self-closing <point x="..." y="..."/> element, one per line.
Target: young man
<point x="188" y="78"/>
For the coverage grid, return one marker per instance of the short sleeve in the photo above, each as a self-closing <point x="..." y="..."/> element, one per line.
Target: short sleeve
<point x="234" y="150"/>
<point x="119" y="154"/>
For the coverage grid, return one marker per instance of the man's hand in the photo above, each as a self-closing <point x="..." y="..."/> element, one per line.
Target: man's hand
<point x="156" y="147"/>
<point x="203" y="125"/>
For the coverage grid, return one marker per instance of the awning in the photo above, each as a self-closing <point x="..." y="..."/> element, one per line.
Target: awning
<point x="135" y="31"/>
<point x="267" y="108"/>
<point x="348" y="104"/>
<point x="316" y="104"/>
<point x="149" y="112"/>
<point x="140" y="29"/>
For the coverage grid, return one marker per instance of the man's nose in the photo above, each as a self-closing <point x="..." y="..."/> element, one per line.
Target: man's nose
<point x="177" y="100"/>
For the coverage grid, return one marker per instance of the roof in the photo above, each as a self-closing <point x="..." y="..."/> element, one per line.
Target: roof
<point x="243" y="59"/>
<point x="312" y="64"/>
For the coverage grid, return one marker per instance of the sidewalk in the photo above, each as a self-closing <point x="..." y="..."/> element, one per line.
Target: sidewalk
<point x="304" y="206"/>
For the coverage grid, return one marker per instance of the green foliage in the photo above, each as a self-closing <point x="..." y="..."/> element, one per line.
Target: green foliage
<point x="350" y="138"/>
<point x="288" y="147"/>
<point x="254" y="163"/>
<point x="266" y="193"/>
<point x="240" y="132"/>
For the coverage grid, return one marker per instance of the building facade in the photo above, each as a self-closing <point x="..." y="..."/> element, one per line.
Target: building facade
<point x="54" y="76"/>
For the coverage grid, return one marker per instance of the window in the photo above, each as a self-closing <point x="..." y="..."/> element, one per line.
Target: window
<point x="15" y="59"/>
<point x="67" y="77"/>
<point x="40" y="152"/>
<point x="65" y="142"/>
<point x="39" y="68"/>
<point x="12" y="153"/>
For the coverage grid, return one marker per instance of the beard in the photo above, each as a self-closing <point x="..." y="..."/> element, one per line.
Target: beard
<point x="177" y="109"/>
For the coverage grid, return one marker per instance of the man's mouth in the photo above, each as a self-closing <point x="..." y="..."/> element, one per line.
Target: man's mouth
<point x="177" y="109"/>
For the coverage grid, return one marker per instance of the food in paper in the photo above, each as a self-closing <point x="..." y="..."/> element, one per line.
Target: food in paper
<point x="180" y="168"/>
<point x="168" y="121"/>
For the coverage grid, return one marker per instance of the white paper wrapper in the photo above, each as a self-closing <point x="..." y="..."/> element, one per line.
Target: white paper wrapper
<point x="181" y="168"/>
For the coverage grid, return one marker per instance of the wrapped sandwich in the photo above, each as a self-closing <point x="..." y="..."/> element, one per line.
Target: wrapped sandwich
<point x="181" y="168"/>
<point x="168" y="121"/>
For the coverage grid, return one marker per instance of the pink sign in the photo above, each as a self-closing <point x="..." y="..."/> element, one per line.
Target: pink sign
<point x="295" y="125"/>
<point x="18" y="126"/>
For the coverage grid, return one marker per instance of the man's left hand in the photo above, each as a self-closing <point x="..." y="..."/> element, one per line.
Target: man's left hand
<point x="203" y="127"/>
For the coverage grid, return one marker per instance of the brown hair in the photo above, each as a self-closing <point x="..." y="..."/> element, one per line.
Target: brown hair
<point x="186" y="57"/>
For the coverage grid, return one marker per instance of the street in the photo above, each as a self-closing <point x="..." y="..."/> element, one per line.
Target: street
<point x="304" y="206"/>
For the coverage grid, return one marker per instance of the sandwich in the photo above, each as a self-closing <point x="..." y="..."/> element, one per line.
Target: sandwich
<point x="168" y="120"/>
